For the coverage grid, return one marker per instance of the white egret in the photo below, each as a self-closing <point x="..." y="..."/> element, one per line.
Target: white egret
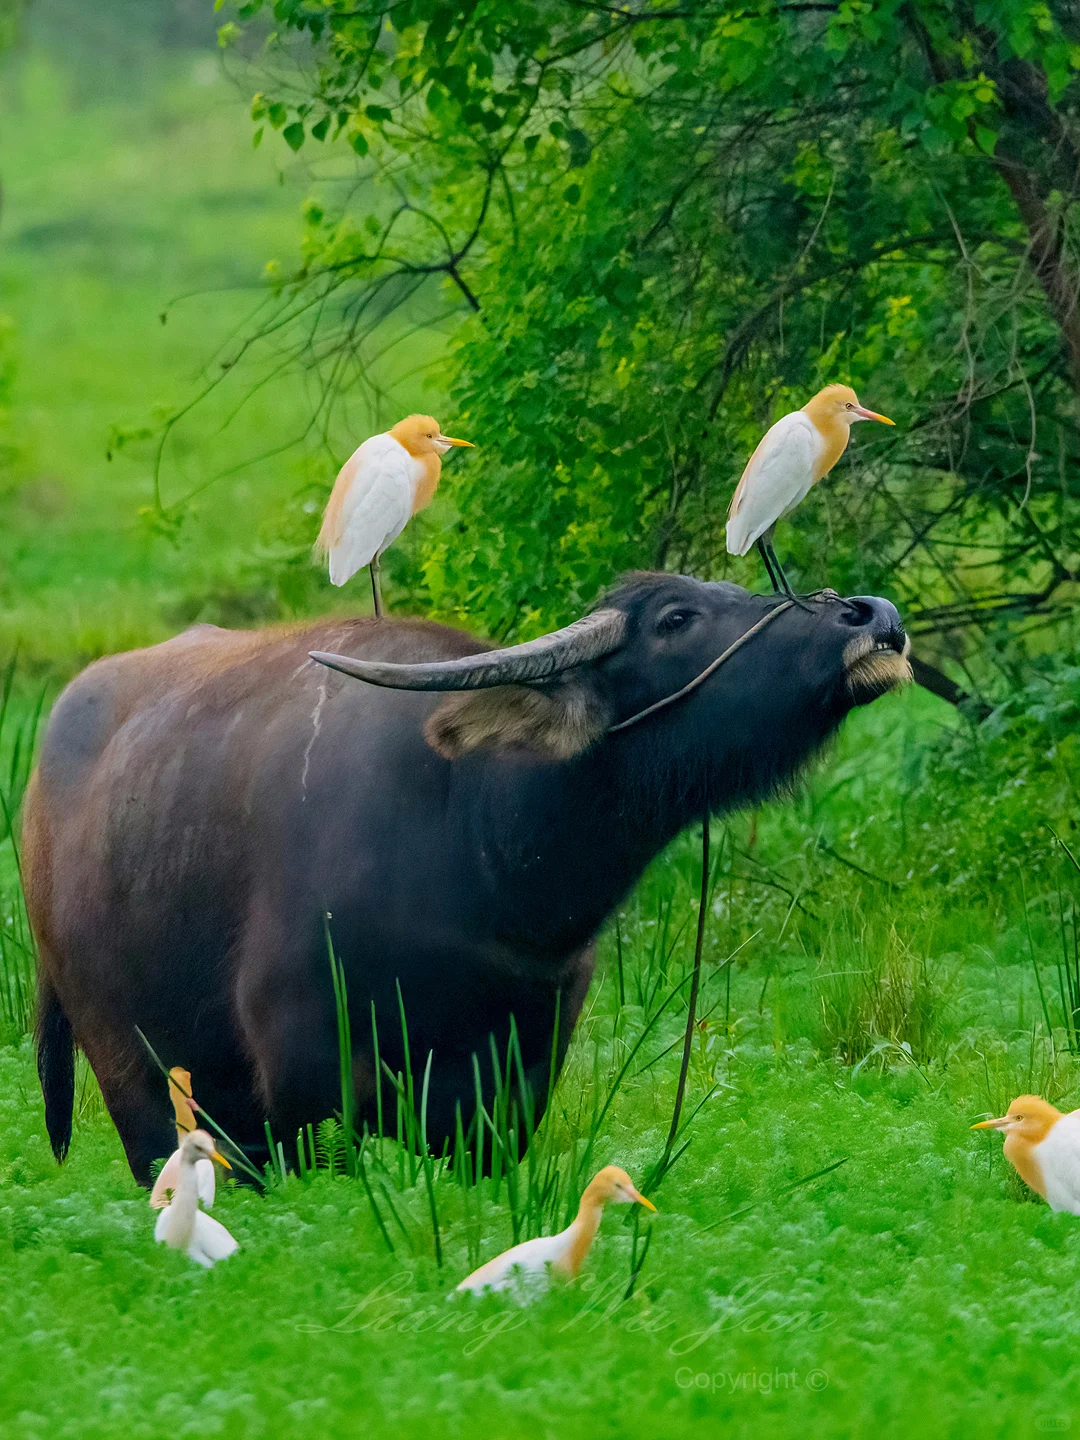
<point x="528" y="1264"/>
<point x="182" y="1225"/>
<point x="794" y="454"/>
<point x="1043" y="1146"/>
<point x="184" y="1108"/>
<point x="378" y="490"/>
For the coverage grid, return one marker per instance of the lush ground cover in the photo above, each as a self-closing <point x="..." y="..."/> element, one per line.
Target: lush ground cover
<point x="855" y="1022"/>
<point x="834" y="1254"/>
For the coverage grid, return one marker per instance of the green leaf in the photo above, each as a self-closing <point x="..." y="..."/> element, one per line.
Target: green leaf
<point x="293" y="135"/>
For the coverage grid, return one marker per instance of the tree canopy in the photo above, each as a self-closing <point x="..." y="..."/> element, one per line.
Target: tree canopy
<point x="667" y="223"/>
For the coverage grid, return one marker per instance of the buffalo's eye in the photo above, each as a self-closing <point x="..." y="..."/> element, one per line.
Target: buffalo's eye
<point x="674" y="620"/>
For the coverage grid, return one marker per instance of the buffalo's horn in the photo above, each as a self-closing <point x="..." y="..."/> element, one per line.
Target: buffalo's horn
<point x="586" y="639"/>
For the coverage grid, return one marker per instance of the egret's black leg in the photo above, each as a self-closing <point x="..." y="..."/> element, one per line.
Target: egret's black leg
<point x="376" y="588"/>
<point x="783" y="585"/>
<point x="763" y="550"/>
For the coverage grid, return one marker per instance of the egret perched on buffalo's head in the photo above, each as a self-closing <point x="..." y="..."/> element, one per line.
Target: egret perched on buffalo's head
<point x="1043" y="1147"/>
<point x="377" y="491"/>
<point x="797" y="452"/>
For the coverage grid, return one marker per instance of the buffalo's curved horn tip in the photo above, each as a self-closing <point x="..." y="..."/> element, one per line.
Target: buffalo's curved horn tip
<point x="586" y="639"/>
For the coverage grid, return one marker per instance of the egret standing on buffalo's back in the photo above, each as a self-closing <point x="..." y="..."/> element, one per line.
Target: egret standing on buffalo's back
<point x="797" y="452"/>
<point x="377" y="492"/>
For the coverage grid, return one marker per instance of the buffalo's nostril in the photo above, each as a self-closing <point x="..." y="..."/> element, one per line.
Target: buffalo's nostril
<point x="857" y="613"/>
<point x="871" y="611"/>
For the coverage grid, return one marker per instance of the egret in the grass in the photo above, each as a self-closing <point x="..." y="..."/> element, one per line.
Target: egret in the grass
<point x="1043" y="1146"/>
<point x="182" y="1225"/>
<point x="184" y="1108"/>
<point x="378" y="490"/>
<point x="797" y="452"/>
<point x="565" y="1253"/>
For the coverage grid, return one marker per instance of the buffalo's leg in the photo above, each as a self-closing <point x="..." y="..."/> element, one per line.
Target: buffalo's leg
<point x="453" y="1077"/>
<point x="137" y="1099"/>
<point x="291" y="1034"/>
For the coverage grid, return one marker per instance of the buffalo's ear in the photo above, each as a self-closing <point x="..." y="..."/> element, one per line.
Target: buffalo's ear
<point x="557" y="721"/>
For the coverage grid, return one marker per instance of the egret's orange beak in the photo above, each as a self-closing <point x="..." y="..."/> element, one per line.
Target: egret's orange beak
<point x="449" y="440"/>
<point x="864" y="414"/>
<point x="217" y="1155"/>
<point x="998" y="1124"/>
<point x="642" y="1201"/>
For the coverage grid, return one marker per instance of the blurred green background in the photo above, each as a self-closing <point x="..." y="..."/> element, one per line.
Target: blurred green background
<point x="610" y="246"/>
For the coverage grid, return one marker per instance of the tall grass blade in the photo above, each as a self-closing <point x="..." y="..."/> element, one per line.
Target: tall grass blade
<point x="345" y="1053"/>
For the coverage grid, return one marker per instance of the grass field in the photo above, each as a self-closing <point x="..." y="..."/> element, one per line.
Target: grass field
<point x="835" y="1253"/>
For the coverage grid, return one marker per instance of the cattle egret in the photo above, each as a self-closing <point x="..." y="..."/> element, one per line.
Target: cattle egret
<point x="182" y="1225"/>
<point x="184" y="1108"/>
<point x="797" y="452"/>
<point x="564" y="1253"/>
<point x="377" y="491"/>
<point x="1043" y="1146"/>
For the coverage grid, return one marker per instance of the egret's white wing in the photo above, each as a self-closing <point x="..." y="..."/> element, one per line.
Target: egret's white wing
<point x="529" y="1259"/>
<point x="1059" y="1159"/>
<point x="369" y="506"/>
<point x="211" y="1241"/>
<point x="167" y="1181"/>
<point x="777" y="476"/>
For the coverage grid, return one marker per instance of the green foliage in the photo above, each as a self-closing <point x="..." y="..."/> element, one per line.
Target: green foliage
<point x="673" y="232"/>
<point x="664" y="228"/>
<point x="768" y="1257"/>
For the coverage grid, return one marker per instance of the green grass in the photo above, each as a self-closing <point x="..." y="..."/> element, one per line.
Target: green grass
<point x="916" y="1273"/>
<point x="910" y="1274"/>
<point x="889" y="956"/>
<point x="129" y="197"/>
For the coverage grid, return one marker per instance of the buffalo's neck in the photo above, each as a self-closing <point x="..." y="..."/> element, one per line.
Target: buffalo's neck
<point x="567" y="842"/>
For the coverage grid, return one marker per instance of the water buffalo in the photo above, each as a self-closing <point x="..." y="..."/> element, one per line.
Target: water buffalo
<point x="201" y="805"/>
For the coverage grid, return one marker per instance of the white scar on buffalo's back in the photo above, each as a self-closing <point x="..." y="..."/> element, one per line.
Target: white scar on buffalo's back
<point x="316" y="726"/>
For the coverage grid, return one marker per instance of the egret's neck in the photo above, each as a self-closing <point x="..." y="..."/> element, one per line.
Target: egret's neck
<point x="428" y="482"/>
<point x="835" y="435"/>
<point x="581" y="1234"/>
<point x="1020" y="1153"/>
<point x="186" y="1199"/>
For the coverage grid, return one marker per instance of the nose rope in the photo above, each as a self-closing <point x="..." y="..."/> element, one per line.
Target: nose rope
<point x="700" y="679"/>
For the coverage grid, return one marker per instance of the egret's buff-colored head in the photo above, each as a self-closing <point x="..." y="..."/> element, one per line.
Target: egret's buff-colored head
<point x="1028" y="1116"/>
<point x="421" y="435"/>
<point x="840" y="403"/>
<point x="184" y="1106"/>
<point x="199" y="1145"/>
<point x="612" y="1186"/>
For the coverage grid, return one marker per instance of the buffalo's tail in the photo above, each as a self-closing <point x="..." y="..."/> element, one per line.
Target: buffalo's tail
<point x="56" y="1067"/>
